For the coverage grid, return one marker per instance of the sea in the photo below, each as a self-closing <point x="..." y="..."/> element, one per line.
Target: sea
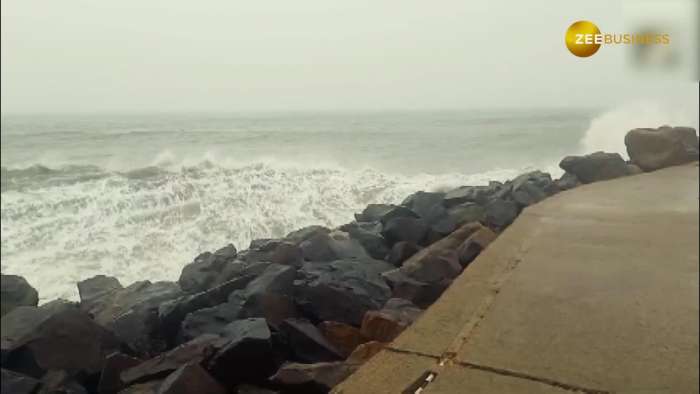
<point x="138" y="196"/>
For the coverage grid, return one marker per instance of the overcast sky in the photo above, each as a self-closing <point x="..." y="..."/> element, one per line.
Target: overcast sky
<point x="135" y="55"/>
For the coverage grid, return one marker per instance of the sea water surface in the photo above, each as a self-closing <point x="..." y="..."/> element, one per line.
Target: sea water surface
<point x="139" y="196"/>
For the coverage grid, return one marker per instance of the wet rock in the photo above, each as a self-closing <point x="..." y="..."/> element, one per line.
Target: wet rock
<point x="51" y="343"/>
<point x="143" y="388"/>
<point x="386" y="324"/>
<point x="365" y="351"/>
<point x="331" y="246"/>
<point x="405" y="229"/>
<point x="500" y="213"/>
<point x="93" y="289"/>
<point x="208" y="321"/>
<point x="110" y="379"/>
<point x="421" y="293"/>
<point x="248" y="355"/>
<point x="301" y="235"/>
<point x="532" y="187"/>
<point x="269" y="295"/>
<point x="598" y="166"/>
<point x="307" y="342"/>
<point x="425" y="204"/>
<point x="172" y="313"/>
<point x="404" y="311"/>
<point x="633" y="169"/>
<point x="194" y="351"/>
<point x="341" y="290"/>
<point x="400" y="252"/>
<point x="474" y="194"/>
<point x="383" y="213"/>
<point x="567" y="181"/>
<point x="653" y="149"/>
<point x="368" y="235"/>
<point x="473" y="245"/>
<point x="274" y="251"/>
<point x="344" y="337"/>
<point x="435" y="267"/>
<point x="16" y="383"/>
<point x="313" y="378"/>
<point x="60" y="382"/>
<point x="207" y="270"/>
<point x="14" y="292"/>
<point x="465" y="213"/>
<point x="190" y="378"/>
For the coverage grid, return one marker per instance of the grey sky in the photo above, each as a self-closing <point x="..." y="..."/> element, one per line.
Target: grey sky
<point x="135" y="55"/>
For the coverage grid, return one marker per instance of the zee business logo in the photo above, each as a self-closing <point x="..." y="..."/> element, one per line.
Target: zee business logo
<point x="583" y="38"/>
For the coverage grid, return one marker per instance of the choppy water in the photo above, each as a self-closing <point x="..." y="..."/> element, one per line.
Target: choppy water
<point x="138" y="197"/>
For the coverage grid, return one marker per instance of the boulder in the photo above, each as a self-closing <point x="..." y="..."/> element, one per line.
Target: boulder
<point x="249" y="389"/>
<point x="93" y="289"/>
<point x="274" y="251"/>
<point x="532" y="187"/>
<point x="368" y="234"/>
<point x="567" y="181"/>
<point x="247" y="357"/>
<point x="365" y="351"/>
<point x="158" y="367"/>
<point x="598" y="166"/>
<point x="383" y="213"/>
<point x="403" y="310"/>
<point x="400" y="252"/>
<point x="407" y="229"/>
<point x="23" y="321"/>
<point x="473" y="245"/>
<point x="269" y="295"/>
<point x="110" y="378"/>
<point x="51" y="343"/>
<point x="653" y="149"/>
<point x="420" y="293"/>
<point x="190" y="378"/>
<point x="331" y="246"/>
<point x="208" y="269"/>
<point x="312" y="378"/>
<point x="16" y="383"/>
<point x="211" y="320"/>
<point x="467" y="212"/>
<point x="143" y="388"/>
<point x="500" y="213"/>
<point x="172" y="313"/>
<point x="424" y="203"/>
<point x="14" y="292"/>
<point x="344" y="337"/>
<point x="386" y="324"/>
<point x="60" y="381"/>
<point x="474" y="194"/>
<point x="307" y="342"/>
<point x="341" y="290"/>
<point x="301" y="235"/>
<point x="435" y="267"/>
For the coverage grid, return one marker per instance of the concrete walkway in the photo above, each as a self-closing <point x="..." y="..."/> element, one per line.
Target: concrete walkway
<point x="594" y="290"/>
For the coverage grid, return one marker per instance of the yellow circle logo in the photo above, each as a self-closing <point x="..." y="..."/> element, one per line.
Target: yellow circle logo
<point x="583" y="38"/>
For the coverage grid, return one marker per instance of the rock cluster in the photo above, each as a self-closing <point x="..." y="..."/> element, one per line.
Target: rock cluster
<point x="296" y="314"/>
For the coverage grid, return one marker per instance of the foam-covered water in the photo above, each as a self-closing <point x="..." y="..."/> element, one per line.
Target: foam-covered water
<point x="138" y="197"/>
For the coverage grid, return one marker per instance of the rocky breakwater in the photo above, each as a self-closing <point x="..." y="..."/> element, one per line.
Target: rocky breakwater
<point x="291" y="315"/>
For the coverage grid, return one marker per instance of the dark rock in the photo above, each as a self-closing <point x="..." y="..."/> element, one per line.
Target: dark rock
<point x="344" y="337"/>
<point x="313" y="378"/>
<point x="16" y="383"/>
<point x="248" y="355"/>
<point x="274" y="251"/>
<point x="400" y="252"/>
<point x="93" y="289"/>
<point x="208" y="321"/>
<point x="435" y="267"/>
<point x="110" y="379"/>
<point x="404" y="311"/>
<point x="653" y="149"/>
<point x="52" y="342"/>
<point x="473" y="245"/>
<point x="342" y="290"/>
<point x="474" y="194"/>
<point x="172" y="313"/>
<point x="598" y="166"/>
<point x="382" y="327"/>
<point x="405" y="229"/>
<point x="331" y="246"/>
<point x="383" y="213"/>
<point x="301" y="235"/>
<point x="143" y="388"/>
<point x="269" y="295"/>
<point x="248" y="389"/>
<point x="633" y="169"/>
<point x="190" y="379"/>
<point x="307" y="342"/>
<point x="424" y="203"/>
<point x="567" y="181"/>
<point x="14" y="292"/>
<point x="421" y="293"/>
<point x="368" y="235"/>
<point x="60" y="382"/>
<point x="500" y="213"/>
<point x="465" y="213"/>
<point x="197" y="350"/>
<point x="132" y="313"/>
<point x="23" y="320"/>
<point x="532" y="187"/>
<point x="207" y="270"/>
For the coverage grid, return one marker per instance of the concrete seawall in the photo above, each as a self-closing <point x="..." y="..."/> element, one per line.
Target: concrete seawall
<point x="593" y="290"/>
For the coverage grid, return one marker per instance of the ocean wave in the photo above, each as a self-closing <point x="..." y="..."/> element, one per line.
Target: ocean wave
<point x="74" y="222"/>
